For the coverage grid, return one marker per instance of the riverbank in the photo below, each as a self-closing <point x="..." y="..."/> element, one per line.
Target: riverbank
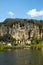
<point x="31" y="46"/>
<point x="3" y="47"/>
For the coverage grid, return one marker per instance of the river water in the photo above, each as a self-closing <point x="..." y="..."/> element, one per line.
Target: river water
<point x="21" y="57"/>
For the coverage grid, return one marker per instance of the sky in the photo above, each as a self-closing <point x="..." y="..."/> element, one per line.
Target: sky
<point x="29" y="9"/>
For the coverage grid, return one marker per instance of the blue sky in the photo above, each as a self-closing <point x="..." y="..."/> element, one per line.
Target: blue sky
<point x="30" y="9"/>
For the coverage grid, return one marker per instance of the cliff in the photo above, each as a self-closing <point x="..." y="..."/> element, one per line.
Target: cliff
<point x="20" y="29"/>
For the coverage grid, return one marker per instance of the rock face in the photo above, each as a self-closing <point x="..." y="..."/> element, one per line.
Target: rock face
<point x="22" y="29"/>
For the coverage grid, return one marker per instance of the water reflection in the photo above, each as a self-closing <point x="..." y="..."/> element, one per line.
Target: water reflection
<point x="21" y="57"/>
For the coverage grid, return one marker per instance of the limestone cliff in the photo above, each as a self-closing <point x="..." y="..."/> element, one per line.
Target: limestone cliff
<point x="21" y="29"/>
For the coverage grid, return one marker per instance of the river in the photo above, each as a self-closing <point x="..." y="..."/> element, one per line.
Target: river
<point x="21" y="57"/>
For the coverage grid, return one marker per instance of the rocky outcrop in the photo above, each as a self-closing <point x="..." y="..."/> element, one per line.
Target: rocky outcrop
<point x="21" y="29"/>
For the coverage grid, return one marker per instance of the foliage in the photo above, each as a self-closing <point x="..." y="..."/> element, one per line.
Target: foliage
<point x="36" y="43"/>
<point x="10" y="22"/>
<point x="2" y="46"/>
